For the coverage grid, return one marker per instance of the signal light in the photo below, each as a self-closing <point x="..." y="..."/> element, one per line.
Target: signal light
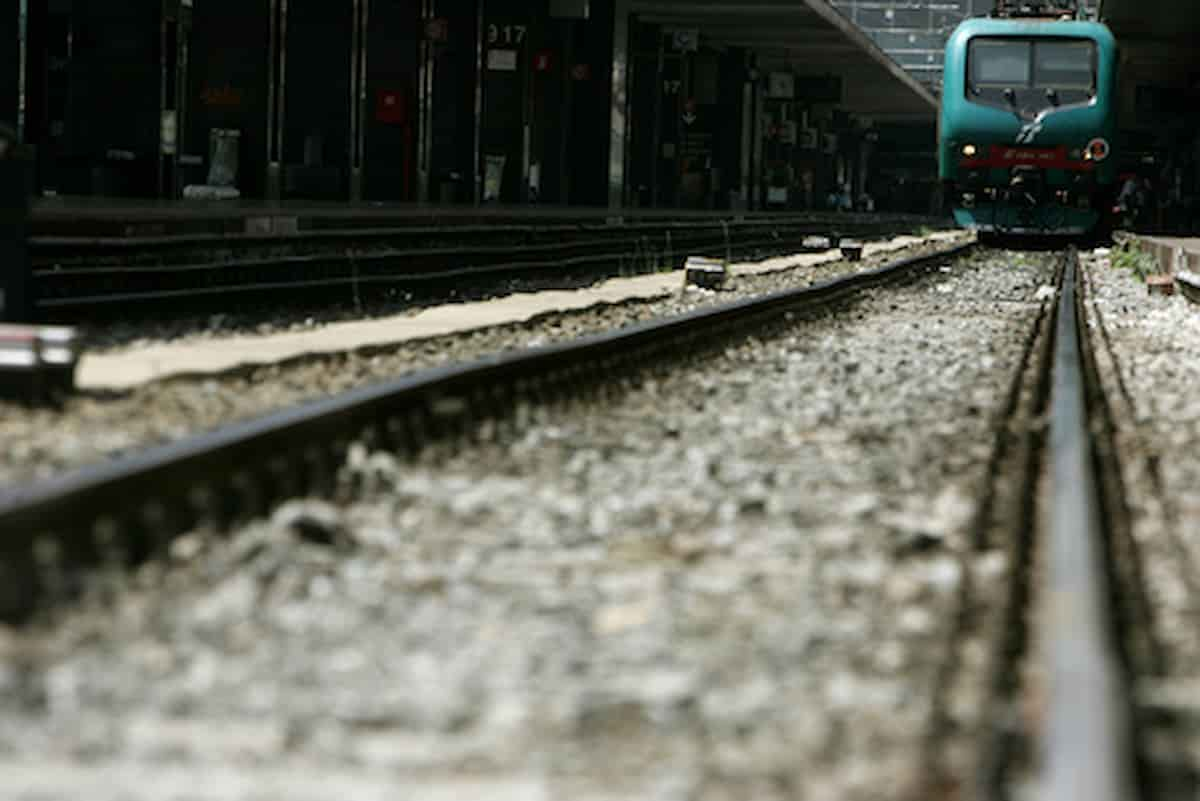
<point x="1096" y="150"/>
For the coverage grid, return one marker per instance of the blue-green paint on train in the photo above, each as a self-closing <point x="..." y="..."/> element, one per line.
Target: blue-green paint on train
<point x="1023" y="146"/>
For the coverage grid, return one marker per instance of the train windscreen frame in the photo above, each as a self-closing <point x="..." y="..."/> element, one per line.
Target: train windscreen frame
<point x="1029" y="74"/>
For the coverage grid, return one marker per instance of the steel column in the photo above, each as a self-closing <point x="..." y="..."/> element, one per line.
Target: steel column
<point x="480" y="172"/>
<point x="757" y="199"/>
<point x="358" y="94"/>
<point x="425" y="78"/>
<point x="365" y="51"/>
<point x="747" y="133"/>
<point x="619" y="113"/>
<point x="656" y="139"/>
<point x="276" y="96"/>
<point x="22" y="67"/>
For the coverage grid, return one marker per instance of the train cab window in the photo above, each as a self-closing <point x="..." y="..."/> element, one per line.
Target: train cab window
<point x="999" y="63"/>
<point x="1028" y="75"/>
<point x="1064" y="65"/>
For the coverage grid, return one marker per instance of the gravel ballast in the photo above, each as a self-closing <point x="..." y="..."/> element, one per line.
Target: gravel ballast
<point x="735" y="582"/>
<point x="1151" y="368"/>
<point x="42" y="442"/>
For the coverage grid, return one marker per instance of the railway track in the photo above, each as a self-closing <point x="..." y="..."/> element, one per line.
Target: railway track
<point x="86" y="517"/>
<point x="1067" y="628"/>
<point x="78" y="277"/>
<point x="1064" y="627"/>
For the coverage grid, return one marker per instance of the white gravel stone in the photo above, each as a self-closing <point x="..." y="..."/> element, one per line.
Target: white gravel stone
<point x="695" y="593"/>
<point x="1155" y="341"/>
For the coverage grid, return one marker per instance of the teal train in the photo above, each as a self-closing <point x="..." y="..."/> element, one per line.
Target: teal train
<point x="1028" y="124"/>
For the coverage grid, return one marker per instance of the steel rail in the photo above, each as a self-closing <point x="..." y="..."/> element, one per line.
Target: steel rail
<point x="549" y="252"/>
<point x="74" y="290"/>
<point x="1087" y="734"/>
<point x="148" y="497"/>
<point x="367" y="277"/>
<point x="506" y="269"/>
<point x="52" y="250"/>
<point x="57" y="244"/>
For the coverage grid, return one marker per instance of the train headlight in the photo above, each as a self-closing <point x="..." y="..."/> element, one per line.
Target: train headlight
<point x="1097" y="150"/>
<point x="969" y="150"/>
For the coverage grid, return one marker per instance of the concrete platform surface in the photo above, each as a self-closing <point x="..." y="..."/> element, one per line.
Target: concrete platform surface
<point x="1174" y="254"/>
<point x="130" y="367"/>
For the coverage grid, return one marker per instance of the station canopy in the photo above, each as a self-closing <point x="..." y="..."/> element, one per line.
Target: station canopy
<point x="1163" y="21"/>
<point x="1160" y="63"/>
<point x="808" y="38"/>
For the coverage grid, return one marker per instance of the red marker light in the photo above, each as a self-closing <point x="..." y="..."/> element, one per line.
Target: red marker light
<point x="1097" y="150"/>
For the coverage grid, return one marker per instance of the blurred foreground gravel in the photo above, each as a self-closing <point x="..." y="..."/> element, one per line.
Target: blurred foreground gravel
<point x="736" y="583"/>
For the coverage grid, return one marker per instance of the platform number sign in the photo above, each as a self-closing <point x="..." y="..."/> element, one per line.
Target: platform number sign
<point x="507" y="35"/>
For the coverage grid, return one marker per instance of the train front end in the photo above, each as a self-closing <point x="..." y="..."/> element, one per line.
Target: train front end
<point x="1028" y="126"/>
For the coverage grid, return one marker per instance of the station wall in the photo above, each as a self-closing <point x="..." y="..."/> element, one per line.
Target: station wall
<point x="538" y="80"/>
<point x="404" y="100"/>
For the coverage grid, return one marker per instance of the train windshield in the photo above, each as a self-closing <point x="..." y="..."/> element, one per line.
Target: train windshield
<point x="1031" y="74"/>
<point x="1000" y="64"/>
<point x="1063" y="65"/>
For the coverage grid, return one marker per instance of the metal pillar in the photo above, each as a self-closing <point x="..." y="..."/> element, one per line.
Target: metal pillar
<point x="22" y="67"/>
<point x="528" y="119"/>
<point x="619" y="114"/>
<point x="425" y="76"/>
<point x="758" y="192"/>
<point x="656" y="138"/>
<point x="358" y="95"/>
<point x="480" y="171"/>
<point x="276" y="96"/>
<point x="747" y="155"/>
<point x="173" y="31"/>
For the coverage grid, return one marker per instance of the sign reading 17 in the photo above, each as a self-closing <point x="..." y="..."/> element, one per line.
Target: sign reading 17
<point x="507" y="34"/>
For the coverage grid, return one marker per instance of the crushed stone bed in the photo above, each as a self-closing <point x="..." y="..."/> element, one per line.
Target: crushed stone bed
<point x="92" y="427"/>
<point x="733" y="583"/>
<point x="1155" y="340"/>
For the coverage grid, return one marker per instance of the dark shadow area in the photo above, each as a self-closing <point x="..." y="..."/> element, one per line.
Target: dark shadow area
<point x="1045" y="243"/>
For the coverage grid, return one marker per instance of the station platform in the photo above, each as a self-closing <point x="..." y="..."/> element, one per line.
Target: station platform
<point x="1178" y="260"/>
<point x="127" y="368"/>
<point x="1173" y="254"/>
<point x="102" y="217"/>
